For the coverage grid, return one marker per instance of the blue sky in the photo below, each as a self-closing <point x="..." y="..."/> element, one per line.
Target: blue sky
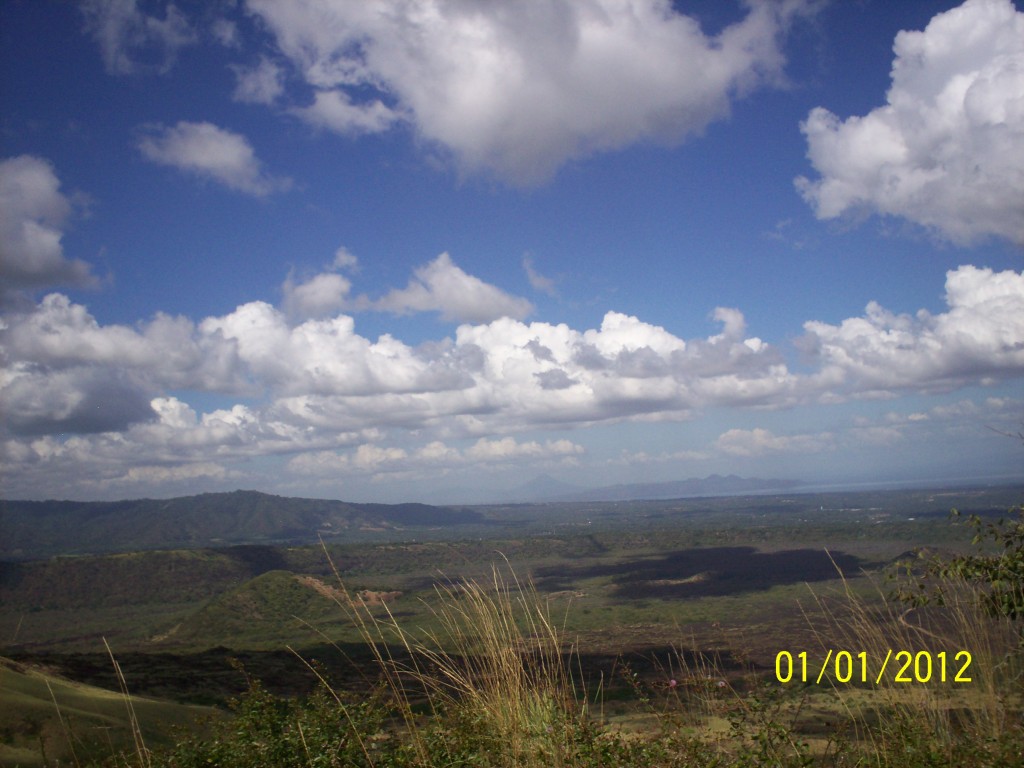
<point x="430" y="251"/>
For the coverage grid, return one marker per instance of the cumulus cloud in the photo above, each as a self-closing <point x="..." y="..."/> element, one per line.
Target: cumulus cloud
<point x="519" y="93"/>
<point x="952" y="422"/>
<point x="947" y="149"/>
<point x="322" y="357"/>
<point x="64" y="373"/>
<point x="59" y="335"/>
<point x="33" y="213"/>
<point x="321" y="295"/>
<point x="76" y="400"/>
<point x="325" y="293"/>
<point x="84" y="399"/>
<point x="979" y="340"/>
<point x="132" y="41"/>
<point x="441" y="286"/>
<point x="209" y="152"/>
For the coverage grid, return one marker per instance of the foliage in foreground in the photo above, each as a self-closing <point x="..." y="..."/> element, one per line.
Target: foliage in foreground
<point x="995" y="570"/>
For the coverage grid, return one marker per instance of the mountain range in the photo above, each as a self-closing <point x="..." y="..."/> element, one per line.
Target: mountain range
<point x="32" y="529"/>
<point x="44" y="528"/>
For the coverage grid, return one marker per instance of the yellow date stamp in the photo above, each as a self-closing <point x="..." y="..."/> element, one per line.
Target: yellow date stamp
<point x="903" y="666"/>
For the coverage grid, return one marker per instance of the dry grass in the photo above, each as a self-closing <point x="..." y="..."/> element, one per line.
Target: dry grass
<point x="920" y="685"/>
<point x="495" y="662"/>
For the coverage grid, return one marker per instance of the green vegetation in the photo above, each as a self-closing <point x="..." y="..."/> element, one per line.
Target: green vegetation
<point x="47" y="718"/>
<point x="995" y="570"/>
<point x="506" y="694"/>
<point x="641" y="634"/>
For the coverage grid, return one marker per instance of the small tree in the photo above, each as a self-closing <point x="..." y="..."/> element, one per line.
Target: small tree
<point x="995" y="570"/>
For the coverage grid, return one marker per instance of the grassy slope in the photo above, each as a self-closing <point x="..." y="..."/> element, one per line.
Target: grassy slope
<point x="40" y="712"/>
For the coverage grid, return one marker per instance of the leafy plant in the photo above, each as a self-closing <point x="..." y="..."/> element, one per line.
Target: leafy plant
<point x="995" y="570"/>
<point x="269" y="731"/>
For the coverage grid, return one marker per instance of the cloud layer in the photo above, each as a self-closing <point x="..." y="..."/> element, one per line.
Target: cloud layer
<point x="518" y="93"/>
<point x="92" y="400"/>
<point x="947" y="149"/>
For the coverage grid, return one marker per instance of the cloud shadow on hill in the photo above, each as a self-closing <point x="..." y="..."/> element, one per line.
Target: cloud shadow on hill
<point x="704" y="572"/>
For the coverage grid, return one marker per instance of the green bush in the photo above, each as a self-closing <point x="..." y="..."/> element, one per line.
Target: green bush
<point x="995" y="570"/>
<point x="268" y="731"/>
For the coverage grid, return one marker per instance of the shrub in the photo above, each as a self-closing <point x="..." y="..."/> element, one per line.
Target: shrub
<point x="995" y="571"/>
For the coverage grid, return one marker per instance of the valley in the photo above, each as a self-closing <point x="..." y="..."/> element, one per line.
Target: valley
<point x="635" y="587"/>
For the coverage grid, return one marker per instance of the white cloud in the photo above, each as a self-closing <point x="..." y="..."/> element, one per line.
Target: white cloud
<point x="324" y="293"/>
<point x="324" y="357"/>
<point x="335" y="111"/>
<point x="441" y="286"/>
<point x="952" y="423"/>
<point x="518" y="93"/>
<point x="33" y="212"/>
<point x="320" y="295"/>
<point x="507" y="448"/>
<point x="537" y="280"/>
<point x="631" y="458"/>
<point x="345" y="259"/>
<point x="947" y="149"/>
<point x="980" y="339"/>
<point x="759" y="442"/>
<point x="157" y="475"/>
<point x="210" y="152"/>
<point x="877" y="435"/>
<point x="262" y="84"/>
<point x="507" y="375"/>
<point x="59" y="335"/>
<point x="87" y="400"/>
<point x="370" y="458"/>
<point x="132" y="41"/>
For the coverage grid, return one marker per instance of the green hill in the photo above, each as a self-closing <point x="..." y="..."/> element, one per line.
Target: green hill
<point x="168" y="598"/>
<point x="33" y="529"/>
<point x="41" y="714"/>
<point x="268" y="611"/>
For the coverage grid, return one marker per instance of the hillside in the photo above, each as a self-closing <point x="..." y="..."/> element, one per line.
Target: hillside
<point x="43" y="528"/>
<point x="48" y="718"/>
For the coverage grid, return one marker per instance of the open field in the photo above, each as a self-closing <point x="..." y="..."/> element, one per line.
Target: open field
<point x="643" y="592"/>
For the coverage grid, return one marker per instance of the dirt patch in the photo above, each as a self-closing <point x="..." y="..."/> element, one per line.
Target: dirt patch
<point x="372" y="597"/>
<point x="364" y="596"/>
<point x="331" y="593"/>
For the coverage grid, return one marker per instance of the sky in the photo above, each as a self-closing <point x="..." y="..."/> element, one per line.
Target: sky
<point x="433" y="250"/>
